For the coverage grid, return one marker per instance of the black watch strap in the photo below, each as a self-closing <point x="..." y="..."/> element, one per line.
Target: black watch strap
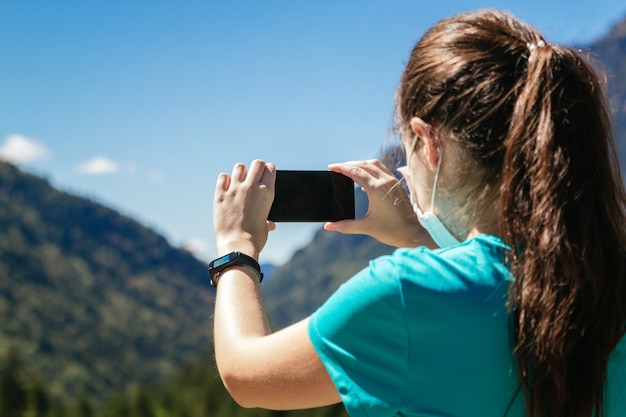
<point x="219" y="265"/>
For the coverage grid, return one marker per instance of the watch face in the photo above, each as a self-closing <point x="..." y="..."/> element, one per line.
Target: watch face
<point x="223" y="260"/>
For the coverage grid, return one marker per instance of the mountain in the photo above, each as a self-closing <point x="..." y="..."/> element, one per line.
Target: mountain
<point x="92" y="299"/>
<point x="302" y="284"/>
<point x="611" y="50"/>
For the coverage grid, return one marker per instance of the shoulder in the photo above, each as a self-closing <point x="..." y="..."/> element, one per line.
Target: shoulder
<point x="479" y="261"/>
<point x="472" y="271"/>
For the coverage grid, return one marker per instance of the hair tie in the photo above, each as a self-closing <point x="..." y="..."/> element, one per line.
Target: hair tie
<point x="532" y="45"/>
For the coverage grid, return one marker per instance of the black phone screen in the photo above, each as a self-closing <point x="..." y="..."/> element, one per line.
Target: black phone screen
<point x="312" y="196"/>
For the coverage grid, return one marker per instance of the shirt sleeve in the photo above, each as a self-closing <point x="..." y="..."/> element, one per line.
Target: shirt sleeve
<point x="360" y="334"/>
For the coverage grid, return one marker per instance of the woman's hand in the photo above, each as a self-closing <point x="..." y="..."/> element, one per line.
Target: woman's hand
<point x="390" y="218"/>
<point x="241" y="205"/>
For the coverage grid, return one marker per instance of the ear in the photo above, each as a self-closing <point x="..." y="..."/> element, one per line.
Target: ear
<point x="427" y="134"/>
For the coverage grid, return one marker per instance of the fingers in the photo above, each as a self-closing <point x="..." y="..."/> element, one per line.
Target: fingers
<point x="223" y="182"/>
<point x="259" y="172"/>
<point x="364" y="173"/>
<point x="257" y="168"/>
<point x="348" y="227"/>
<point x="239" y="172"/>
<point x="269" y="175"/>
<point x="372" y="166"/>
<point x="270" y="168"/>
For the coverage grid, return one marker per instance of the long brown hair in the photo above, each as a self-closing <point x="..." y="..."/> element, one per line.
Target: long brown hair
<point x="534" y="119"/>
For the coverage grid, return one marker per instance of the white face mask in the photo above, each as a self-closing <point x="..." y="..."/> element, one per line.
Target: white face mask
<point x="429" y="221"/>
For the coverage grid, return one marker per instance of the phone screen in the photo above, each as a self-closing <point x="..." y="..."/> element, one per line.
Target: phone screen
<point x="312" y="196"/>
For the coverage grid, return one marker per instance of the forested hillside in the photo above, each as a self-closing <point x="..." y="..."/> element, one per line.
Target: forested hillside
<point x="91" y="299"/>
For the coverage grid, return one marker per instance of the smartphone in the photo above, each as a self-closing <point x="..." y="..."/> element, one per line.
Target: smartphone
<point x="312" y="196"/>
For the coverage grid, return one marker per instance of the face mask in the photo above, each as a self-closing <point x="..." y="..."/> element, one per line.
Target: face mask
<point x="429" y="221"/>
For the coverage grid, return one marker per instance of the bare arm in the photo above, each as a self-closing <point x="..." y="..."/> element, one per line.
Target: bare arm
<point x="260" y="369"/>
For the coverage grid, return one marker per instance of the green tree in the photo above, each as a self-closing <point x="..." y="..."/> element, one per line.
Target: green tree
<point x="38" y="403"/>
<point x="118" y="406"/>
<point x="12" y="389"/>
<point x="141" y="406"/>
<point x="82" y="407"/>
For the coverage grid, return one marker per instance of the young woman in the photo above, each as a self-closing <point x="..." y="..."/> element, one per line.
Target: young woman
<point x="508" y="296"/>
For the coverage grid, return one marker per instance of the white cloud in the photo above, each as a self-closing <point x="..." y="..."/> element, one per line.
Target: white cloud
<point x="99" y="165"/>
<point x="19" y="149"/>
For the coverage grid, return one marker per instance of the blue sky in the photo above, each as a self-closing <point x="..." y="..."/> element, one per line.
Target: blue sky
<point x="141" y="104"/>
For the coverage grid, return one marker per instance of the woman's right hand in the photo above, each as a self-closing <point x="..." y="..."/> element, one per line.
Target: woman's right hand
<point x="390" y="218"/>
<point x="241" y="204"/>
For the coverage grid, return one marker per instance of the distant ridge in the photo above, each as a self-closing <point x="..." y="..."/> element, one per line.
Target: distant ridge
<point x="611" y="50"/>
<point x="92" y="299"/>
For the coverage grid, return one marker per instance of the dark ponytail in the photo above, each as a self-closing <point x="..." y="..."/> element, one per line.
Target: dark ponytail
<point x="562" y="210"/>
<point x="533" y="120"/>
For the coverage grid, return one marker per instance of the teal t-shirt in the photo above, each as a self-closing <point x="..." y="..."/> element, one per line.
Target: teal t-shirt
<point x="426" y="333"/>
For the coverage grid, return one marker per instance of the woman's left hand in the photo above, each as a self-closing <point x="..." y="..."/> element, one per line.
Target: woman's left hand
<point x="390" y="218"/>
<point x="241" y="205"/>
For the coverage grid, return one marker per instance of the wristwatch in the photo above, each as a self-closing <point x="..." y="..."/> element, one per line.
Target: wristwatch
<point x="219" y="265"/>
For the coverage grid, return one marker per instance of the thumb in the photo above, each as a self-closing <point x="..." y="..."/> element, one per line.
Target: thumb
<point x="349" y="227"/>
